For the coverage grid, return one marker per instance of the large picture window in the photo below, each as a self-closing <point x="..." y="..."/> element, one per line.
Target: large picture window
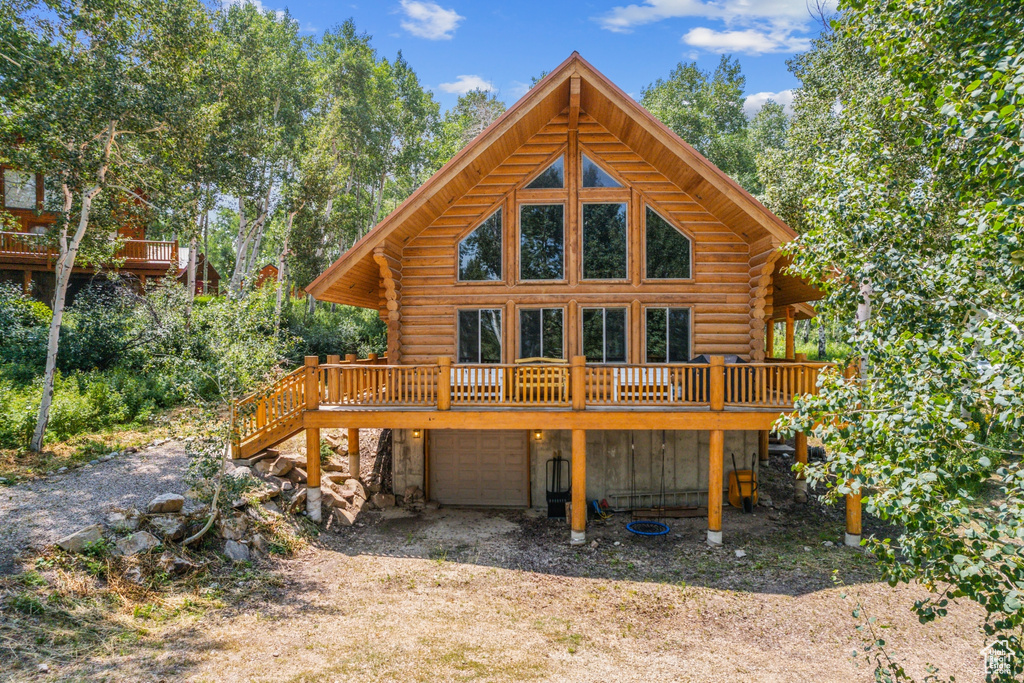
<point x="604" y="335"/>
<point x="668" y="250"/>
<point x="480" y="336"/>
<point x="604" y="241"/>
<point x="668" y="335"/>
<point x="541" y="333"/>
<point x="480" y="251"/>
<point x="19" y="189"/>
<point x="542" y="242"/>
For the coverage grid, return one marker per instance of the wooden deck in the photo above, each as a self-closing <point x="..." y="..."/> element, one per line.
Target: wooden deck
<point x="576" y="395"/>
<point x="29" y="249"/>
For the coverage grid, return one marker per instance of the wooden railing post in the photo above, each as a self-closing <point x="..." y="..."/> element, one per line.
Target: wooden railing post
<point x="312" y="391"/>
<point x="334" y="379"/>
<point x="444" y="383"/>
<point x="578" y="382"/>
<point x="717" y="383"/>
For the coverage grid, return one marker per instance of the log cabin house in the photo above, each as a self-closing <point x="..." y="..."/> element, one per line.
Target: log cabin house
<point x="578" y="280"/>
<point x="29" y="261"/>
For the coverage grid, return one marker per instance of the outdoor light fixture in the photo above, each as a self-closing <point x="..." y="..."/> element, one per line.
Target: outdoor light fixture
<point x="538" y="435"/>
<point x="417" y="433"/>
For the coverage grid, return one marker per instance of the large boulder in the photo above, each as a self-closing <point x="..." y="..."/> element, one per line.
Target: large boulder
<point x="170" y="527"/>
<point x="75" y="543"/>
<point x="332" y="497"/>
<point x="297" y="475"/>
<point x="168" y="502"/>
<point x="353" y="488"/>
<point x="123" y="520"/>
<point x="383" y="500"/>
<point x="139" y="542"/>
<point x="236" y="552"/>
<point x="282" y="466"/>
<point x="232" y="528"/>
<point x="174" y="565"/>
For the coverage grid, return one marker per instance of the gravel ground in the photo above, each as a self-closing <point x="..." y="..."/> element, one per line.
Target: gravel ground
<point x="37" y="513"/>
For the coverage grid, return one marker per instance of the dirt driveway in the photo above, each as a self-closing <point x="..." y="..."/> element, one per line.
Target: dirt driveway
<point x="454" y="595"/>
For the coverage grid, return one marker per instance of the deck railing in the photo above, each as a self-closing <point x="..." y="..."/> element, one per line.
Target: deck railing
<point x="372" y="383"/>
<point x="36" y="247"/>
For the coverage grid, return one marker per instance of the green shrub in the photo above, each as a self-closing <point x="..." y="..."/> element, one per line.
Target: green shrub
<point x="340" y="330"/>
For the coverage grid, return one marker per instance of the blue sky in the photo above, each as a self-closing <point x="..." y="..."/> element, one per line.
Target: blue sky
<point x="454" y="44"/>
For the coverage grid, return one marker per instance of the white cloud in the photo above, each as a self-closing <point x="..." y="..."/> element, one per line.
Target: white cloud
<point x="750" y="26"/>
<point x="464" y="83"/>
<point x="753" y="103"/>
<point x="748" y="41"/>
<point x="429" y="20"/>
<point x="517" y="89"/>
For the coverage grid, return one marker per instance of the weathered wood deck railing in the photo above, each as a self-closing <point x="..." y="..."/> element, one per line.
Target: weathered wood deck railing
<point x="371" y="383"/>
<point x="26" y="245"/>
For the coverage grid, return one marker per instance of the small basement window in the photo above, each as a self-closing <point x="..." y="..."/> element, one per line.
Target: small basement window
<point x="541" y="333"/>
<point x="480" y="336"/>
<point x="551" y="177"/>
<point x="595" y="176"/>
<point x="604" y="241"/>
<point x="604" y="335"/>
<point x="668" y="250"/>
<point x="541" y="242"/>
<point x="668" y="335"/>
<point x="480" y="251"/>
<point x="19" y="189"/>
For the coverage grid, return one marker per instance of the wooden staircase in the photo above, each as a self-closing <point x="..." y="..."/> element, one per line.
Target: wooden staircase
<point x="265" y="419"/>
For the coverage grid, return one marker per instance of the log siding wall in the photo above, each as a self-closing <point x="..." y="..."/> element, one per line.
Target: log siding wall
<point x="719" y="293"/>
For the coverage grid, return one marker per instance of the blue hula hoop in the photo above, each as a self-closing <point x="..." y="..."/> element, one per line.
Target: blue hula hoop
<point x="654" y="528"/>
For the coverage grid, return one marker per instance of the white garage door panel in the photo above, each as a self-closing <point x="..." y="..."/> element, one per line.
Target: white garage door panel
<point x="479" y="467"/>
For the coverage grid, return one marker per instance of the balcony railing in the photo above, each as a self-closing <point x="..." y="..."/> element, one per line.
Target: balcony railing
<point x="25" y="245"/>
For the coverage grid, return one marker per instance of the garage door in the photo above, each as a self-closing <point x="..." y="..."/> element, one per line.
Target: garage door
<point x="483" y="467"/>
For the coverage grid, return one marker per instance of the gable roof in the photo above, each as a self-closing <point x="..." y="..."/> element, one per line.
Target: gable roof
<point x="354" y="277"/>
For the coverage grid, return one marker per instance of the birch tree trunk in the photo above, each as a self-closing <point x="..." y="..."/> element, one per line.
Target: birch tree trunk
<point x="863" y="318"/>
<point x="65" y="266"/>
<point x="241" y="248"/>
<point x="281" y="265"/>
<point x="190" y="272"/>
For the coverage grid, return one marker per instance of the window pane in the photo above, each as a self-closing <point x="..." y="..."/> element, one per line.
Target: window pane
<point x="490" y="335"/>
<point x="480" y="251"/>
<point x="668" y="250"/>
<point x="469" y="336"/>
<point x="604" y="241"/>
<point x="541" y="242"/>
<point x="656" y="337"/>
<point x="615" y="335"/>
<point x="595" y="176"/>
<point x="678" y="335"/>
<point x="593" y="334"/>
<point x="529" y="334"/>
<point x="552" y="332"/>
<point x="19" y="189"/>
<point x="552" y="176"/>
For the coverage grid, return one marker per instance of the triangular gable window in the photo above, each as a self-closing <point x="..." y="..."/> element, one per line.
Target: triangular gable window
<point x="551" y="177"/>
<point x="595" y="176"/>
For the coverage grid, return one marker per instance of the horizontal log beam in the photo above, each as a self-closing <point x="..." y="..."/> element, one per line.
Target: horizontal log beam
<point x="504" y="418"/>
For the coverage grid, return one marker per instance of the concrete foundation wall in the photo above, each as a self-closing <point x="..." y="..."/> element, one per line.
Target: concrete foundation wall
<point x="407" y="460"/>
<point x="611" y="470"/>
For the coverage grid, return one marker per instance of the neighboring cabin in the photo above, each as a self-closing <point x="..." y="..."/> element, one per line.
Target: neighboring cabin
<point x="27" y="261"/>
<point x="575" y="228"/>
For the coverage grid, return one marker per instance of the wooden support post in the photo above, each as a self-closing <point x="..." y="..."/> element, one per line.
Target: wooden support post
<point x="801" y="457"/>
<point x="853" y="525"/>
<point x="579" y="487"/>
<point x="26" y="282"/>
<point x="334" y="380"/>
<point x="578" y="382"/>
<point x="353" y="452"/>
<point x="790" y="333"/>
<point x="769" y="338"/>
<point x="717" y="383"/>
<point x="312" y="391"/>
<point x="715" y="460"/>
<point x="762" y="445"/>
<point x="444" y="383"/>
